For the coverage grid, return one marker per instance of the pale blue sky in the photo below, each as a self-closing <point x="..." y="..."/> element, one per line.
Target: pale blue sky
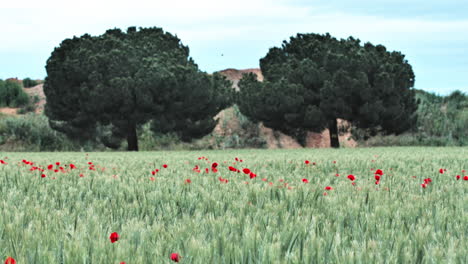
<point x="432" y="34"/>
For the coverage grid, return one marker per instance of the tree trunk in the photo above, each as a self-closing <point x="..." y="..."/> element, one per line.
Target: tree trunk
<point x="132" y="139"/>
<point x="333" y="129"/>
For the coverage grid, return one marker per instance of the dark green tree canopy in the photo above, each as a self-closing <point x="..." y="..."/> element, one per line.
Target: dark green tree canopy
<point x="121" y="80"/>
<point x="312" y="80"/>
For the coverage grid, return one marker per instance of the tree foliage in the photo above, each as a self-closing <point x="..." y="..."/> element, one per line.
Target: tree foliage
<point x="312" y="80"/>
<point x="114" y="83"/>
<point x="12" y="94"/>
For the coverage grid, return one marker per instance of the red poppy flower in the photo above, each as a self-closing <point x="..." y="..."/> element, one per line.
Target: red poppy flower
<point x="328" y="188"/>
<point x="236" y="159"/>
<point x="3" y="162"/>
<point x="424" y="185"/>
<point x="81" y="175"/>
<point x="175" y="257"/>
<point x="377" y="182"/>
<point x="207" y="170"/>
<point x="307" y="162"/>
<point x="43" y="175"/>
<point x="458" y="177"/>
<point x="232" y="169"/>
<point x="441" y="171"/>
<point x="377" y="177"/>
<point x="114" y="237"/>
<point x="165" y="166"/>
<point x="305" y="180"/>
<point x="123" y="262"/>
<point x="351" y="177"/>
<point x="246" y="171"/>
<point x="427" y="181"/>
<point x="353" y="183"/>
<point x="10" y="260"/>
<point x="214" y="165"/>
<point x="214" y="170"/>
<point x="72" y="166"/>
<point x="50" y="167"/>
<point x="379" y="172"/>
<point x="465" y="178"/>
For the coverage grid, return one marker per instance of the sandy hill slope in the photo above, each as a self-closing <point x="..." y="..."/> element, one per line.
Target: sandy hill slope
<point x="33" y="91"/>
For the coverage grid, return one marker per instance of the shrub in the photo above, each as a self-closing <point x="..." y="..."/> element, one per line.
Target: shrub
<point x="12" y="94"/>
<point x="27" y="83"/>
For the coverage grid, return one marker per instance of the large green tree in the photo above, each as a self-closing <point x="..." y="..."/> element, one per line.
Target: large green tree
<point x="112" y="84"/>
<point x="312" y="80"/>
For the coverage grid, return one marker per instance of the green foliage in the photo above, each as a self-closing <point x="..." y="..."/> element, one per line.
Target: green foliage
<point x="442" y="121"/>
<point x="123" y="80"/>
<point x="12" y="94"/>
<point x="65" y="218"/>
<point x="31" y="132"/>
<point x="314" y="79"/>
<point x="28" y="83"/>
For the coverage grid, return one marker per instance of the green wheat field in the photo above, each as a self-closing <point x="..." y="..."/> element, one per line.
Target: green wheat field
<point x="283" y="215"/>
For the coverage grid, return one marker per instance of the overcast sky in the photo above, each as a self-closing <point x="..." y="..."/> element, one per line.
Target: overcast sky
<point x="236" y="34"/>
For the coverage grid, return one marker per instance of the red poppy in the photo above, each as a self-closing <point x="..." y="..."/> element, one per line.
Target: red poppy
<point x="72" y="166"/>
<point x="305" y="180"/>
<point x="165" y="166"/>
<point x="236" y="159"/>
<point x="114" y="237"/>
<point x="188" y="181"/>
<point x="3" y="162"/>
<point x="232" y="169"/>
<point x="458" y="177"/>
<point x="353" y="183"/>
<point x="207" y="170"/>
<point x="351" y="177"/>
<point x="50" y="167"/>
<point x="246" y="171"/>
<point x="377" y="182"/>
<point x="427" y="181"/>
<point x="441" y="171"/>
<point x="10" y="260"/>
<point x="214" y="170"/>
<point x="214" y="165"/>
<point x="377" y="177"/>
<point x="123" y="262"/>
<point x="81" y="175"/>
<point x="175" y="257"/>
<point x="465" y="178"/>
<point x="424" y="185"/>
<point x="307" y="162"/>
<point x="328" y="188"/>
<point x="43" y="175"/>
<point x="379" y="172"/>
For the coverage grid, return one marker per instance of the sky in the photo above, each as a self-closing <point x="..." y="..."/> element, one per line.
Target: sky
<point x="433" y="34"/>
